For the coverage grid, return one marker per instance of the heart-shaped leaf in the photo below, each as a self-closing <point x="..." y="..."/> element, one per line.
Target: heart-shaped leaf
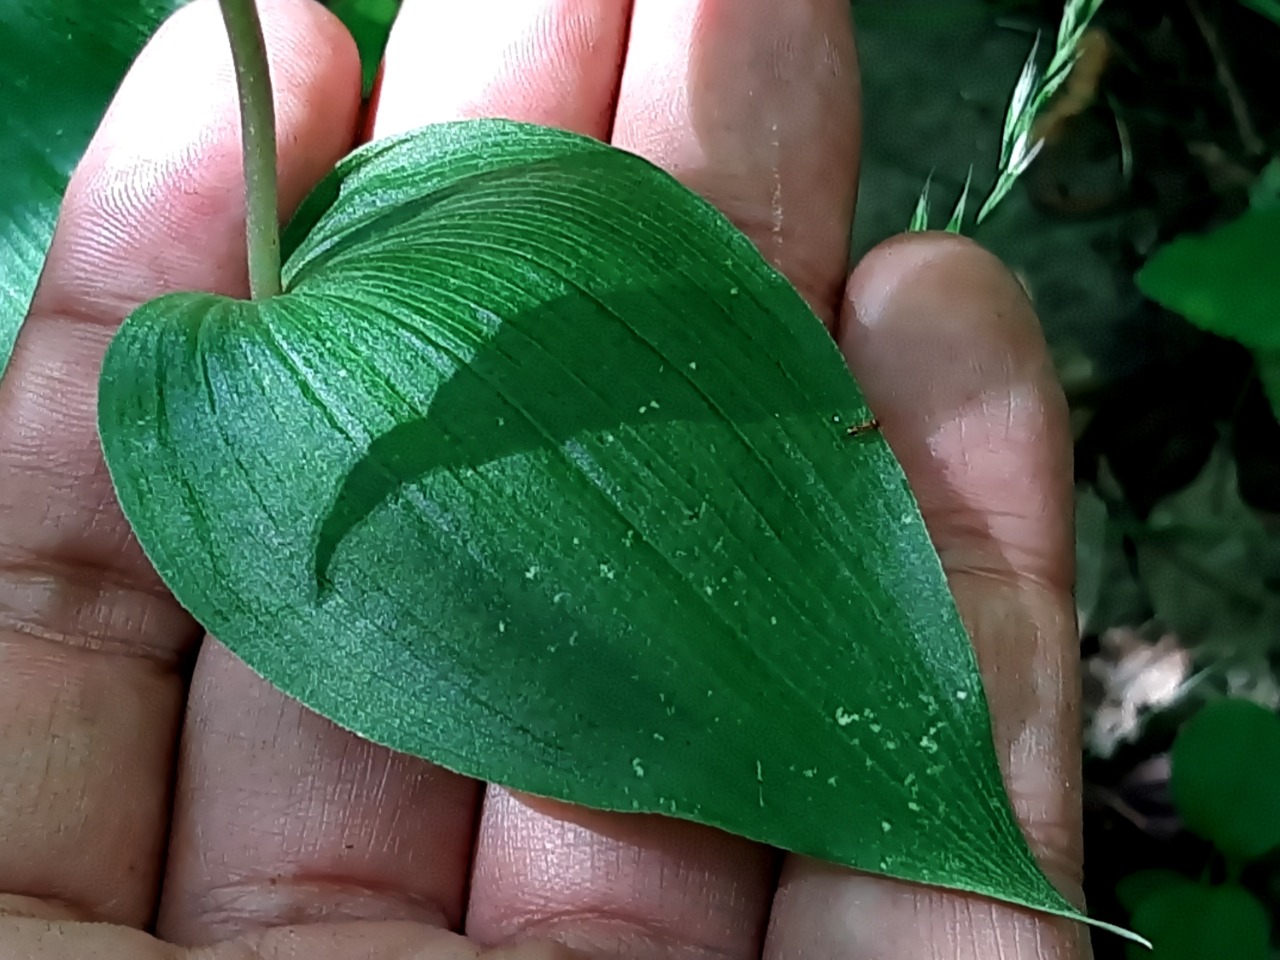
<point x="539" y="471"/>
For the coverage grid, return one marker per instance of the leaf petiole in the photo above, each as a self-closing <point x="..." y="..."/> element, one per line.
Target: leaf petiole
<point x="258" y="131"/>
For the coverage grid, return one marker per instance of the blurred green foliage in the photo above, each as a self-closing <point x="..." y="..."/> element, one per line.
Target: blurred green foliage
<point x="1226" y="784"/>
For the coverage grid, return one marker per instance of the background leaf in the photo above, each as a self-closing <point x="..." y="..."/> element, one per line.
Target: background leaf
<point x="1226" y="777"/>
<point x="1132" y="891"/>
<point x="1225" y="281"/>
<point x="61" y="64"/>
<point x="1208" y="561"/>
<point x="1268" y="8"/>
<point x="370" y="24"/>
<point x="1192" y="922"/>
<point x="538" y="470"/>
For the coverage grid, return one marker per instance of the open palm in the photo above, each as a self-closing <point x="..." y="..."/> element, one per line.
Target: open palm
<point x="150" y="781"/>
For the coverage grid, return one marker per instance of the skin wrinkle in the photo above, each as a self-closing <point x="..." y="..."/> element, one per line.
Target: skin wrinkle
<point x="614" y="931"/>
<point x="312" y="803"/>
<point x="623" y="889"/>
<point x="84" y="611"/>
<point x="236" y="908"/>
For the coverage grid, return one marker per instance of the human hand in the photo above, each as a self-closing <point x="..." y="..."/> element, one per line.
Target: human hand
<point x="257" y="830"/>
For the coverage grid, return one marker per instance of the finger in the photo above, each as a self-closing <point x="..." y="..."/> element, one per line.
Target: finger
<point x="41" y="939"/>
<point x="636" y="886"/>
<point x="950" y="355"/>
<point x="752" y="103"/>
<point x="90" y="644"/>
<point x="552" y="62"/>
<point x="755" y="105"/>
<point x="282" y="818"/>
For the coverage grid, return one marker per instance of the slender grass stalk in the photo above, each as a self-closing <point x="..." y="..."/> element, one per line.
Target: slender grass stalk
<point x="1031" y="94"/>
<point x="258" y="132"/>
<point x="920" y="218"/>
<point x="956" y="223"/>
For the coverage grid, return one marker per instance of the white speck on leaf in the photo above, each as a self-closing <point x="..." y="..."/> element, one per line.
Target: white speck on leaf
<point x="843" y="718"/>
<point x="638" y="767"/>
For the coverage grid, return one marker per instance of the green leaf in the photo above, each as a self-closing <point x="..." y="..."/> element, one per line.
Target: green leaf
<point x="1190" y="922"/>
<point x="1268" y="8"/>
<point x="1225" y="777"/>
<point x="370" y="24"/>
<point x="61" y="64"/>
<point x="1264" y="192"/>
<point x="1268" y="364"/>
<point x="1225" y="281"/>
<point x="1136" y="888"/>
<point x="539" y="471"/>
<point x="1207" y="561"/>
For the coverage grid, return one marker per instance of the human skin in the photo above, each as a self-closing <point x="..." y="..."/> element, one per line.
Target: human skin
<point x="158" y="801"/>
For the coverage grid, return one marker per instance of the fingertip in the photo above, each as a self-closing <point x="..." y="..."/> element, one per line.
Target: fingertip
<point x="932" y="323"/>
<point x="938" y="284"/>
<point x="948" y="350"/>
<point x="550" y="62"/>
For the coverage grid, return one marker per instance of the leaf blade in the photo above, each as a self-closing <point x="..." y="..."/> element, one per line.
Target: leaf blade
<point x="605" y="422"/>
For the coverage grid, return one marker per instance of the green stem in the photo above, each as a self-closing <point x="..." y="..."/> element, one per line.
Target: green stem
<point x="258" y="130"/>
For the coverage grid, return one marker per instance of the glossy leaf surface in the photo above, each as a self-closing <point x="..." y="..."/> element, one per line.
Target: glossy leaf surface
<point x="60" y="62"/>
<point x="539" y="471"/>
